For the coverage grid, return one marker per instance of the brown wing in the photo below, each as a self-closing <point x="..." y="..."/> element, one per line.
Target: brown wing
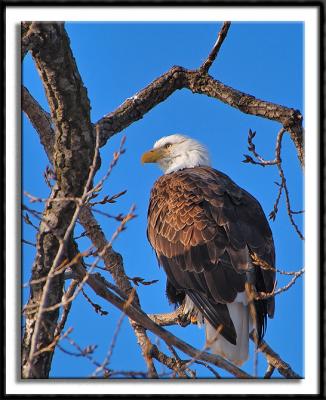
<point x="202" y="227"/>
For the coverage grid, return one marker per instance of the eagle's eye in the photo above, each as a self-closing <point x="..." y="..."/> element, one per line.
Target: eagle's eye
<point x="168" y="145"/>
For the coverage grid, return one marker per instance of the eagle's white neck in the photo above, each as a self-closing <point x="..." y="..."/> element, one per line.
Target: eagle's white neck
<point x="188" y="160"/>
<point x="185" y="153"/>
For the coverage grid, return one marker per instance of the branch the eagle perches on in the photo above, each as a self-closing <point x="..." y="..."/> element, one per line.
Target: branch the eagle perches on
<point x="69" y="123"/>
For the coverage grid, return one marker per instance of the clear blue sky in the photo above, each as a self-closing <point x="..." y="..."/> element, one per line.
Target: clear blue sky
<point x="115" y="61"/>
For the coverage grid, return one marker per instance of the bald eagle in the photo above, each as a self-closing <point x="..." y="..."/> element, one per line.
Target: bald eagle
<point x="204" y="229"/>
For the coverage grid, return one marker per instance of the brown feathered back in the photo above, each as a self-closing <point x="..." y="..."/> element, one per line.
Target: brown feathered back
<point x="202" y="227"/>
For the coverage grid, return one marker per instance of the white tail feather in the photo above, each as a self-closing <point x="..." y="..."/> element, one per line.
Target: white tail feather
<point x="238" y="353"/>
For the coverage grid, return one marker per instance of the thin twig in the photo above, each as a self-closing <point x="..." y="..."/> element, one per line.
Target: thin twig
<point x="272" y="214"/>
<point x="206" y="365"/>
<point x="288" y="205"/>
<point x="66" y="308"/>
<point x="35" y="213"/>
<point x="107" y="358"/>
<point x="278" y="162"/>
<point x="118" y="217"/>
<point x="275" y="360"/>
<point x="29" y="222"/>
<point x="54" y="343"/>
<point x="98" y="309"/>
<point x="51" y="274"/>
<point x="256" y="260"/>
<point x="86" y="352"/>
<point x="266" y="295"/>
<point x="60" y="269"/>
<point x="116" y="156"/>
<point x="213" y="54"/>
<point x="28" y="242"/>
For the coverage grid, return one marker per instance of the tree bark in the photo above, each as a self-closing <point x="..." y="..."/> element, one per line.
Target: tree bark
<point x="73" y="153"/>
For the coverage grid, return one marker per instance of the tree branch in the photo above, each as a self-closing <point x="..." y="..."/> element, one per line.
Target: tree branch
<point x="66" y="307"/>
<point x="176" y="317"/>
<point x="175" y="365"/>
<point x="40" y="120"/>
<point x="283" y="185"/>
<point x="137" y="315"/>
<point x="178" y="78"/>
<point x="275" y="360"/>
<point x="213" y="54"/>
<point x="272" y="358"/>
<point x="114" y="264"/>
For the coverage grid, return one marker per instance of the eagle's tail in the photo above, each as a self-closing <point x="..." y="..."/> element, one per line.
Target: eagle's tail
<point x="238" y="353"/>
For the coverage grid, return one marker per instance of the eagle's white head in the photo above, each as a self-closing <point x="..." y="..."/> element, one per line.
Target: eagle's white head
<point x="176" y="152"/>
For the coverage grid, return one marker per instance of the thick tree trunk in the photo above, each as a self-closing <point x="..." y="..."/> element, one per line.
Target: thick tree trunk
<point x="73" y="153"/>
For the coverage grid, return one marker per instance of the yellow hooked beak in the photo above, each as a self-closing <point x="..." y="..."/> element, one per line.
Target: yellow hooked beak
<point x="152" y="156"/>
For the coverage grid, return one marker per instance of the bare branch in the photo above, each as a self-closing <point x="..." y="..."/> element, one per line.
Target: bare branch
<point x="137" y="315"/>
<point x="272" y="214"/>
<point x="264" y="265"/>
<point x="266" y="295"/>
<point x="118" y="217"/>
<point x="116" y="156"/>
<point x="269" y="371"/>
<point x="275" y="360"/>
<point x="76" y="260"/>
<point x="35" y="213"/>
<point x="278" y="162"/>
<point x="176" y="317"/>
<point x="97" y="308"/>
<point x="29" y="243"/>
<point x="41" y="121"/>
<point x="288" y="204"/>
<point x="256" y="260"/>
<point x="272" y="357"/>
<point x="213" y="54"/>
<point x="138" y="280"/>
<point x="261" y="161"/>
<point x="66" y="307"/>
<point x="51" y="346"/>
<point x="107" y="358"/>
<point x="175" y="365"/>
<point x="58" y="271"/>
<point x="206" y="365"/>
<point x="176" y="78"/>
<point x="114" y="264"/>
<point x="86" y="352"/>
